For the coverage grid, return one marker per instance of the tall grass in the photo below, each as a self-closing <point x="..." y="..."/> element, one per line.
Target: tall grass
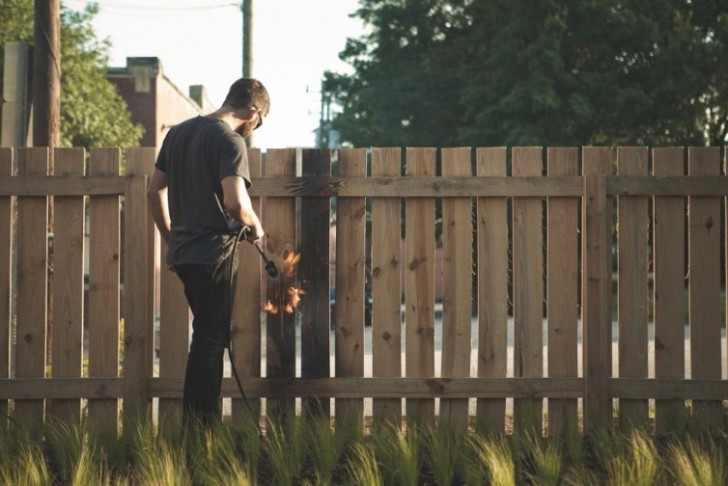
<point x="310" y="450"/>
<point x="444" y="445"/>
<point x="494" y="457"/>
<point x="698" y="462"/>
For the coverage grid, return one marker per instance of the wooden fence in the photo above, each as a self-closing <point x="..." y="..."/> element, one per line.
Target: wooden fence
<point x="542" y="249"/>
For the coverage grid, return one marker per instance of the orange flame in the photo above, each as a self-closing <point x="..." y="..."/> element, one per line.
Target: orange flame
<point x="289" y="298"/>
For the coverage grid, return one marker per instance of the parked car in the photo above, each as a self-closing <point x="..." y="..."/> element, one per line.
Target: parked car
<point x="367" y="308"/>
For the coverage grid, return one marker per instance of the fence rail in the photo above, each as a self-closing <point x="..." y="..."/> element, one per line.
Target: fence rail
<point x="575" y="275"/>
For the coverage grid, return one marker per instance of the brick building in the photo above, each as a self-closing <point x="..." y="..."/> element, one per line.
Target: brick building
<point x="155" y="102"/>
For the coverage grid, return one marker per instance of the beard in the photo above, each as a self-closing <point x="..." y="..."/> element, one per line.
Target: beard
<point x="246" y="129"/>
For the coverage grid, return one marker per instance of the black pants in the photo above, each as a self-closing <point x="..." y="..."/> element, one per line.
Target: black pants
<point x="209" y="290"/>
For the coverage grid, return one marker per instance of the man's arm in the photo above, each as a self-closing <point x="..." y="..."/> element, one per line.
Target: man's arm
<point x="157" y="203"/>
<point x="239" y="206"/>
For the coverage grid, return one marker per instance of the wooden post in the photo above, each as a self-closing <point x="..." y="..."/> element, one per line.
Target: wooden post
<point x="47" y="75"/>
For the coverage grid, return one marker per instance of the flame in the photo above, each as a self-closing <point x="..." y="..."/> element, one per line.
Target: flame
<point x="289" y="264"/>
<point x="286" y="295"/>
<point x="294" y="297"/>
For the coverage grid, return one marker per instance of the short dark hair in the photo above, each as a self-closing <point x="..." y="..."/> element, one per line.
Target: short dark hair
<point x="248" y="93"/>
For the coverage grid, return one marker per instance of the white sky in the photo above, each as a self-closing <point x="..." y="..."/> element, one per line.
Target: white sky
<point x="200" y="42"/>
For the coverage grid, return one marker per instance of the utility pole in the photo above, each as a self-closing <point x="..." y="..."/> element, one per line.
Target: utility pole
<point x="47" y="75"/>
<point x="247" y="9"/>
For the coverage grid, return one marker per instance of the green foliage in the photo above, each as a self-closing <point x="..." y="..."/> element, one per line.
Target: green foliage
<point x="498" y="72"/>
<point x="92" y="111"/>
<point x="229" y="454"/>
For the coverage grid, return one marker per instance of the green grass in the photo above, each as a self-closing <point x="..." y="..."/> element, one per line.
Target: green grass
<point x="310" y="450"/>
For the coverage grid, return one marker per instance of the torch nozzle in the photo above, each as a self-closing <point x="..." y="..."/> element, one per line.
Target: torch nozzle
<point x="270" y="268"/>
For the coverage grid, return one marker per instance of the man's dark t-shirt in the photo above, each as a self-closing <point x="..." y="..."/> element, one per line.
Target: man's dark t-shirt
<point x="196" y="155"/>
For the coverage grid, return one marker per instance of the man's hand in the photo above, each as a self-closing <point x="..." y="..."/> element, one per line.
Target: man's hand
<point x="253" y="234"/>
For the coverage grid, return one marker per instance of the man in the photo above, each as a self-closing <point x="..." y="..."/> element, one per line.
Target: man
<point x="198" y="199"/>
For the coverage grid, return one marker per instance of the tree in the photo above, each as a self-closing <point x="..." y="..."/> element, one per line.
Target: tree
<point x="406" y="87"/>
<point x="92" y="111"/>
<point x="540" y="72"/>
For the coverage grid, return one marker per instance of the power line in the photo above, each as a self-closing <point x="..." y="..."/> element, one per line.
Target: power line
<point x="146" y="9"/>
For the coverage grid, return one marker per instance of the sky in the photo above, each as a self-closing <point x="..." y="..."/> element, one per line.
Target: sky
<point x="200" y="42"/>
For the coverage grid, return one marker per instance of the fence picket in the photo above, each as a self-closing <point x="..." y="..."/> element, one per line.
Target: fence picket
<point x="420" y="283"/>
<point x="493" y="265"/>
<point x="32" y="274"/>
<point x="633" y="267"/>
<point x="350" y="284"/>
<point x="245" y="322"/>
<point x="596" y="281"/>
<point x="25" y="312"/>
<point x="528" y="291"/>
<point x="314" y="274"/>
<point x="386" y="285"/>
<point x="174" y="334"/>
<point x="669" y="288"/>
<point x="6" y="251"/>
<point x="562" y="289"/>
<point x="457" y="271"/>
<point x="103" y="294"/>
<point x="139" y="287"/>
<point x="279" y="222"/>
<point x="68" y="285"/>
<point x="704" y="280"/>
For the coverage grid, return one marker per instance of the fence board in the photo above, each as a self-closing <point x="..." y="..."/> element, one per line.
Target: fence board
<point x="67" y="297"/>
<point x="596" y="284"/>
<point x="386" y="285"/>
<point x="6" y="251"/>
<point x="457" y="271"/>
<point x="174" y="334"/>
<point x="350" y="283"/>
<point x="32" y="277"/>
<point x="245" y="322"/>
<point x="528" y="291"/>
<point x="669" y="288"/>
<point x="633" y="265"/>
<point x="314" y="274"/>
<point x="139" y="285"/>
<point x="279" y="223"/>
<point x="562" y="289"/>
<point x="704" y="280"/>
<point x="493" y="265"/>
<point x="420" y="284"/>
<point x="103" y="294"/>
